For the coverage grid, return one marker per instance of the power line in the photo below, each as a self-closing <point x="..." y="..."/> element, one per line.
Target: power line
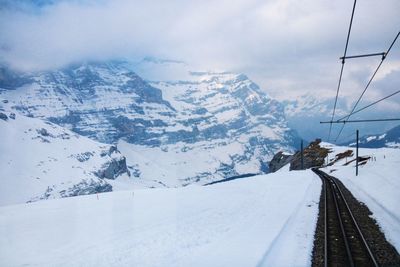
<point x="341" y="70"/>
<point x="369" y="82"/>
<point x="367" y="106"/>
<point x="364" y="55"/>
<point x="376" y="70"/>
<point x="352" y="121"/>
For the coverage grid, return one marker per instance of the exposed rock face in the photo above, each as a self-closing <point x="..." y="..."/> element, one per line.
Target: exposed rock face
<point x="278" y="161"/>
<point x="314" y="156"/>
<point x="3" y="116"/>
<point x="85" y="187"/>
<point x="112" y="169"/>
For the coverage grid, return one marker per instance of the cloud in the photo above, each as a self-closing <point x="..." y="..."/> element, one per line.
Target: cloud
<point x="289" y="46"/>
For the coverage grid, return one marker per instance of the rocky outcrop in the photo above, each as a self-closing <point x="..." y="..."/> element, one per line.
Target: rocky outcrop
<point x="339" y="156"/>
<point x="278" y="161"/>
<point x="113" y="168"/>
<point x="85" y="187"/>
<point x="3" y="116"/>
<point x="313" y="156"/>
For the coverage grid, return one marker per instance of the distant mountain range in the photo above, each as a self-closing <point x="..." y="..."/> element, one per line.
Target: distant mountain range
<point x="390" y="138"/>
<point x="176" y="127"/>
<point x="304" y="113"/>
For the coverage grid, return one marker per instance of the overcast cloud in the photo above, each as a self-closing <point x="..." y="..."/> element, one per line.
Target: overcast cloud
<point x="289" y="47"/>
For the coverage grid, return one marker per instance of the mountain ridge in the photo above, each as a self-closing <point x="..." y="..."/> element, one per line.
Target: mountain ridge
<point x="222" y="118"/>
<point x="389" y="139"/>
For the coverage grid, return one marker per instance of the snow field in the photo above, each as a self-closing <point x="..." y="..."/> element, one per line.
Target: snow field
<point x="31" y="162"/>
<point x="246" y="222"/>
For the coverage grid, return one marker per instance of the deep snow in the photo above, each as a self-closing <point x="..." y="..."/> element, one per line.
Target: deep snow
<point x="265" y="220"/>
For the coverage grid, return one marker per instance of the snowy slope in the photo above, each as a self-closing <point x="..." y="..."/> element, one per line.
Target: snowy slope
<point x="214" y="125"/>
<point x="377" y="185"/>
<point x="248" y="222"/>
<point x="40" y="160"/>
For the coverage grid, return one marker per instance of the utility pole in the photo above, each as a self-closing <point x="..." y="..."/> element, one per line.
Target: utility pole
<point x="357" y="154"/>
<point x="302" y="156"/>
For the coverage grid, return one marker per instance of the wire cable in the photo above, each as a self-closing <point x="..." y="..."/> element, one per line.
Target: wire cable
<point x="366" y="120"/>
<point x="367" y="106"/>
<point x="369" y="82"/>
<point x="341" y="70"/>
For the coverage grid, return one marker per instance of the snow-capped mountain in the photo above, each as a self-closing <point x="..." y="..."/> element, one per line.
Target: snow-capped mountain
<point x="41" y="160"/>
<point x="390" y="138"/>
<point x="189" y="127"/>
<point x="307" y="106"/>
<point x="305" y="113"/>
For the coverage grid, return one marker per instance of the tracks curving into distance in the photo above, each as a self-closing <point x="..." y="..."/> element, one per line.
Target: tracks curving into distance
<point x="344" y="243"/>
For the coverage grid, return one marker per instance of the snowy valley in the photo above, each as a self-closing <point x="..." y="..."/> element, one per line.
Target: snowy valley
<point x="101" y="167"/>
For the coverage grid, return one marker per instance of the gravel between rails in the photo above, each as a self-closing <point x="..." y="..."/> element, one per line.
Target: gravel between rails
<point x="384" y="252"/>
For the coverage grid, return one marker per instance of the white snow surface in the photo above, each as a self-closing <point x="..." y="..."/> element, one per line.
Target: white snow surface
<point x="266" y="220"/>
<point x="377" y="185"/>
<point x="40" y="160"/>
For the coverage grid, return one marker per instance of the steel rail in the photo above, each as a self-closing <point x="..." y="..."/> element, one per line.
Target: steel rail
<point x="371" y="255"/>
<point x="345" y="239"/>
<point x="335" y="187"/>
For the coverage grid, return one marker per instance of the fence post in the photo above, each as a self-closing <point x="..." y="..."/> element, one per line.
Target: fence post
<point x="302" y="156"/>
<point x="357" y="154"/>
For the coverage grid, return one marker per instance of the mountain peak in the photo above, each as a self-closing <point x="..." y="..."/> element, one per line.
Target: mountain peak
<point x="220" y="121"/>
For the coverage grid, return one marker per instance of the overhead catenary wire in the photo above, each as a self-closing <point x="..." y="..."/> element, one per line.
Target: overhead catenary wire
<point x="364" y="55"/>
<point x="369" y="105"/>
<point x="369" y="120"/>
<point x="368" y="84"/>
<point x="341" y="70"/>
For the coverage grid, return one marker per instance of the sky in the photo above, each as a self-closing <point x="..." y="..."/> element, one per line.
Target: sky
<point x="288" y="47"/>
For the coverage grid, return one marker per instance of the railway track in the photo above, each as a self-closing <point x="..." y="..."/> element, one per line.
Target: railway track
<point x="344" y="242"/>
